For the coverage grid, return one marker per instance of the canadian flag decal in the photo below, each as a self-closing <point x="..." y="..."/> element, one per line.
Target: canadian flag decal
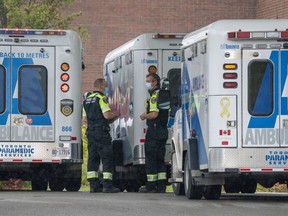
<point x="224" y="132"/>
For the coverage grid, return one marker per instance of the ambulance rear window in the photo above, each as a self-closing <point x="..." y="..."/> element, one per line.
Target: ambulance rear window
<point x="260" y="88"/>
<point x="2" y="89"/>
<point x="174" y="77"/>
<point x="32" y="90"/>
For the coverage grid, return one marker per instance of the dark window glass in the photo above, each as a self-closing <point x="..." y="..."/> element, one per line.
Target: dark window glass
<point x="260" y="88"/>
<point x="32" y="90"/>
<point x="174" y="77"/>
<point x="2" y="88"/>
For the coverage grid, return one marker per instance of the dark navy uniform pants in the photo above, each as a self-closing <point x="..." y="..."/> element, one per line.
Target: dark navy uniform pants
<point x="155" y="143"/>
<point x="100" y="147"/>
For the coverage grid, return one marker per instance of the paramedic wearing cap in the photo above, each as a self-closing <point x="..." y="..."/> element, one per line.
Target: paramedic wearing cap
<point x="97" y="113"/>
<point x="155" y="140"/>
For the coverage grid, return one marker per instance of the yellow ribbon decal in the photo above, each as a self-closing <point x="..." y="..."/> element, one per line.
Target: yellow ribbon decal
<point x="225" y="103"/>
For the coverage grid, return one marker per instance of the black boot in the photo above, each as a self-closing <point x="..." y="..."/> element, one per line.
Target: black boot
<point x="149" y="188"/>
<point x="145" y="190"/>
<point x="95" y="186"/>
<point x="108" y="187"/>
<point x="161" y="186"/>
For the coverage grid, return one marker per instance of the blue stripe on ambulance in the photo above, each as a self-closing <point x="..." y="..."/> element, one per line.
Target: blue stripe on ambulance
<point x="185" y="90"/>
<point x="16" y="64"/>
<point x="284" y="68"/>
<point x="194" y="122"/>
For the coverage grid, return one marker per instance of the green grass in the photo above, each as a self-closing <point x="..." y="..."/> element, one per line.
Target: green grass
<point x="276" y="188"/>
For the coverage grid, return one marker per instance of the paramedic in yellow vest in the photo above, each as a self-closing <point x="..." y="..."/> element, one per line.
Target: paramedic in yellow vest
<point x="97" y="114"/>
<point x="155" y="140"/>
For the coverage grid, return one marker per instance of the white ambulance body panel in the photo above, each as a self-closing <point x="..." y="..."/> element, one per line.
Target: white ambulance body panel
<point x="125" y="69"/>
<point x="234" y="104"/>
<point x="40" y="111"/>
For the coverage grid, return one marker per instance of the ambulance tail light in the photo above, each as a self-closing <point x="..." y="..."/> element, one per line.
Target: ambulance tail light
<point x="65" y="87"/>
<point x="65" y="77"/>
<point x="230" y="66"/>
<point x="66" y="106"/>
<point x="230" y="84"/>
<point x="230" y="75"/>
<point x="65" y="66"/>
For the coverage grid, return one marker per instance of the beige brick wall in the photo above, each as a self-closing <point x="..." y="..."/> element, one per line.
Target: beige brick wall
<point x="111" y="23"/>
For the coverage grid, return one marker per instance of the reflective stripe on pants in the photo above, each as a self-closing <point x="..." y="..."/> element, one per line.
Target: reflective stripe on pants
<point x="92" y="174"/>
<point x="162" y="176"/>
<point x="107" y="176"/>
<point x="151" y="177"/>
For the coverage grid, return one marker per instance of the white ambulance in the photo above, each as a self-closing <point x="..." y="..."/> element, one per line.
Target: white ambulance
<point x="232" y="127"/>
<point x="125" y="69"/>
<point x="40" y="108"/>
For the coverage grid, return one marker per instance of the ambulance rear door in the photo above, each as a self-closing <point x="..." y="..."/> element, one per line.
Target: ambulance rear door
<point x="29" y="79"/>
<point x="265" y="92"/>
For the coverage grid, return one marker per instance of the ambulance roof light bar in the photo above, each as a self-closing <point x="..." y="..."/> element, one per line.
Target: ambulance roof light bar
<point x="31" y="32"/>
<point x="253" y="35"/>
<point x="167" y="36"/>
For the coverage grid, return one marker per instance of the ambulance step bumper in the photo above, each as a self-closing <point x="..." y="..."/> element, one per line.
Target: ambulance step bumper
<point x="175" y="180"/>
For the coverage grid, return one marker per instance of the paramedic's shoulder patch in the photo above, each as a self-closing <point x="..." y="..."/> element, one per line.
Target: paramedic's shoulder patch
<point x="153" y="100"/>
<point x="105" y="99"/>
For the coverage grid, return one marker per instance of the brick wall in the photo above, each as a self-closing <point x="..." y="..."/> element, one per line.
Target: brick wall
<point x="271" y="9"/>
<point x="111" y="23"/>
